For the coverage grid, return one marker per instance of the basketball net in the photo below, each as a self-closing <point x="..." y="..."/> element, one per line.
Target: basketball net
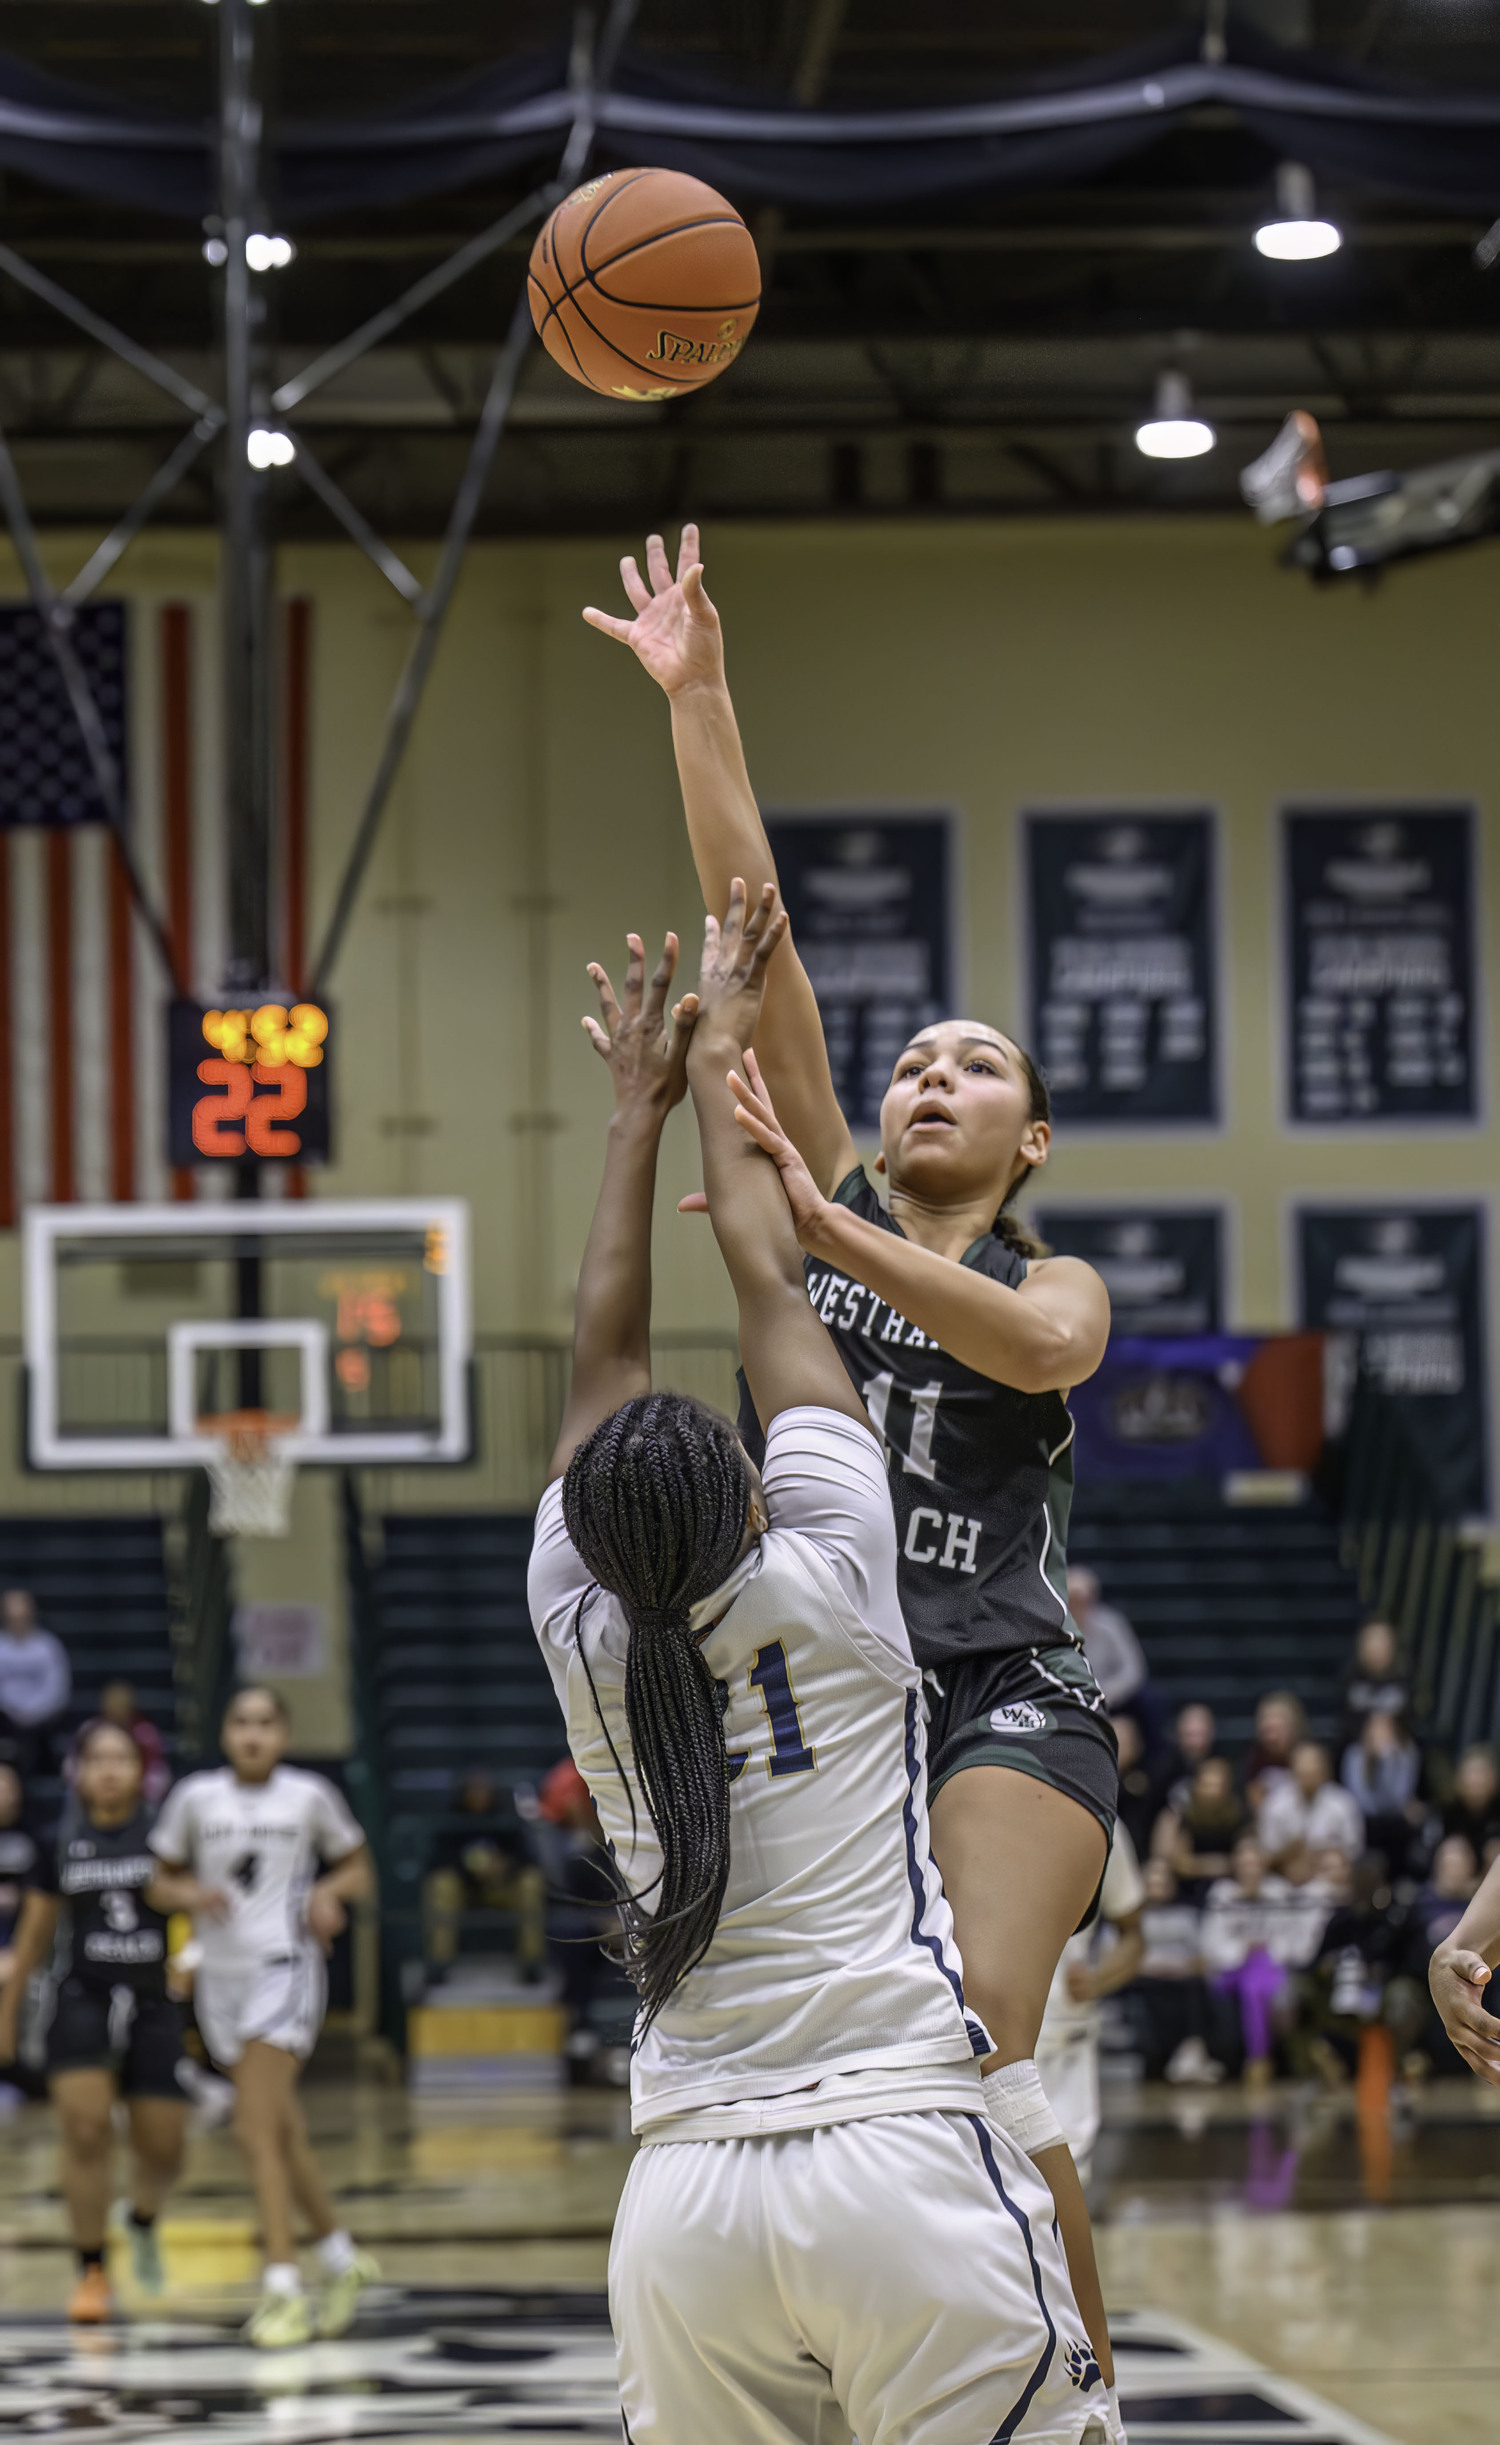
<point x="250" y="1474"/>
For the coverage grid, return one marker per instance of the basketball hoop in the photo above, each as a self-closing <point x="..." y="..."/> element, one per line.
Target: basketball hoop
<point x="250" y="1473"/>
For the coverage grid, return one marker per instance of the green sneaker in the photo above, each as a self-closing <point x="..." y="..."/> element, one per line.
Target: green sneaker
<point x="341" y="2295"/>
<point x="146" y="2268"/>
<point x="281" y="2321"/>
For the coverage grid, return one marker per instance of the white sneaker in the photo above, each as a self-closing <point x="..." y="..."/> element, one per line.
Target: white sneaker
<point x="1193" y="2062"/>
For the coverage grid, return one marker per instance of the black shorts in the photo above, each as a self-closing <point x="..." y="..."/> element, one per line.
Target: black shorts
<point x="137" y="2037"/>
<point x="1039" y="1711"/>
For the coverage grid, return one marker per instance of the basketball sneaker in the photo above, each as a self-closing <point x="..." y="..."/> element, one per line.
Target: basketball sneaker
<point x="91" y="2302"/>
<point x="341" y="2295"/>
<point x="145" y="2250"/>
<point x="281" y="2321"/>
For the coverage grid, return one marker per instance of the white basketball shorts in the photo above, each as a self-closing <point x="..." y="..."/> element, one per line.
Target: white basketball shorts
<point x="897" y="2280"/>
<point x="281" y="2002"/>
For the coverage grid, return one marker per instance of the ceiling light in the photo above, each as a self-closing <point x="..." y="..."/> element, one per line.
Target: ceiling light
<point x="267" y="448"/>
<point x="1297" y="235"/>
<point x="266" y="254"/>
<point x="1174" y="431"/>
<point x="215" y="252"/>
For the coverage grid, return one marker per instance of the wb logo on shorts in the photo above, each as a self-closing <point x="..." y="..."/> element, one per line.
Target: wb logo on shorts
<point x="1024" y="1716"/>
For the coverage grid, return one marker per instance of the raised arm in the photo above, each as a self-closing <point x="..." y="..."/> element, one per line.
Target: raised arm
<point x="789" y="1358"/>
<point x="647" y="1060"/>
<point x="676" y="635"/>
<point x="1458" y="1974"/>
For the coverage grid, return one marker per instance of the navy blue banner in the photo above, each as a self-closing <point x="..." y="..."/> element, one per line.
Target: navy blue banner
<point x="870" y="899"/>
<point x="1380" y="966"/>
<point x="1163" y="1271"/>
<point x="1123" y="990"/>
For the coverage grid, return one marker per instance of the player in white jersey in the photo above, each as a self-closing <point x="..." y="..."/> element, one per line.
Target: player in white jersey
<point x="822" y="2234"/>
<point x="239" y="1847"/>
<point x="1098" y="1961"/>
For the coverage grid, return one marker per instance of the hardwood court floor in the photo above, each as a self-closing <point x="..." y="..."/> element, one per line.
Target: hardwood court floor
<point x="1276" y="2272"/>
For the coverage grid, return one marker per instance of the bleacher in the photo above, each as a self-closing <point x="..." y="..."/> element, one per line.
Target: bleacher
<point x="1227" y="1602"/>
<point x="101" y="1585"/>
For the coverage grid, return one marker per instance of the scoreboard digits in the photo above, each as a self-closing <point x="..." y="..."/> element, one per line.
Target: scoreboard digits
<point x="248" y="1084"/>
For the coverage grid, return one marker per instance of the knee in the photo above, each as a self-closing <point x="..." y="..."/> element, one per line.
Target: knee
<point x="87" y="2137"/>
<point x="258" y="2133"/>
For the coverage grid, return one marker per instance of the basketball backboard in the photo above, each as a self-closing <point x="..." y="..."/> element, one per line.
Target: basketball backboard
<point x="351" y="1319"/>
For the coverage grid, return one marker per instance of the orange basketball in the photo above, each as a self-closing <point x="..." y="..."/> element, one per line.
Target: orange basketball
<point x="644" y="284"/>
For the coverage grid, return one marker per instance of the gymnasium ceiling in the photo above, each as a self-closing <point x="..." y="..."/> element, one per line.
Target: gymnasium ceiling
<point x="995" y="357"/>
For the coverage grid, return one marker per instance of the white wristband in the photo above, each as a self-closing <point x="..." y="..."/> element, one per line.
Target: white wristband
<point x="1015" y="2099"/>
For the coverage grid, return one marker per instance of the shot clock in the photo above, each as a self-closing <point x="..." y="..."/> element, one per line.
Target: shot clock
<point x="249" y="1083"/>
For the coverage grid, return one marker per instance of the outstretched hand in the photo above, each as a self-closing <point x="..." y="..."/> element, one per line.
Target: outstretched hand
<point x="647" y="1060"/>
<point x="1458" y="1981"/>
<point x="756" y="1115"/>
<point x="732" y="979"/>
<point x="675" y="632"/>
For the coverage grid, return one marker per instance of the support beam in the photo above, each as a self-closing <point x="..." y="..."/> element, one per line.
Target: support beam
<point x="244" y="578"/>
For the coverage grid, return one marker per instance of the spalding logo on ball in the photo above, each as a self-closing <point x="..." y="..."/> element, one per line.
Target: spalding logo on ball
<point x="644" y="284"/>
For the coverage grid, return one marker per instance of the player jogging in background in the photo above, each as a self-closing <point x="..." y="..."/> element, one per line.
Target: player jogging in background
<point x="112" y="2030"/>
<point x="822" y="2235"/>
<point x="1092" y="1966"/>
<point x="963" y="1347"/>
<point x="238" y="1847"/>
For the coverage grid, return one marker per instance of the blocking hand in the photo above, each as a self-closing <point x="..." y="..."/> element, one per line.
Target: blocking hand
<point x="732" y="979"/>
<point x="675" y="632"/>
<point x="647" y="1061"/>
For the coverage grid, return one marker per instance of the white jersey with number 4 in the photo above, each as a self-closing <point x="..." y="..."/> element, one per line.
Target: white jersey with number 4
<point x="261" y="1844"/>
<point x="832" y="1987"/>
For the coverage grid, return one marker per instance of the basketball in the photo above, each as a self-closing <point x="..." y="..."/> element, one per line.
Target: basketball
<point x="644" y="284"/>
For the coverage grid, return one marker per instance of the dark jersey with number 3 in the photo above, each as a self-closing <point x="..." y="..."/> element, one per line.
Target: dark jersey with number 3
<point x="111" y="1938"/>
<point x="981" y="1475"/>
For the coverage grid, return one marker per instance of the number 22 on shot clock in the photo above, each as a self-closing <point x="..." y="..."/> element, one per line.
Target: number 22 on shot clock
<point x="249" y="1083"/>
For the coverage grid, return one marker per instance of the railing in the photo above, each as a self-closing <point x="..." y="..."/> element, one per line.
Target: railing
<point x="1424" y="1571"/>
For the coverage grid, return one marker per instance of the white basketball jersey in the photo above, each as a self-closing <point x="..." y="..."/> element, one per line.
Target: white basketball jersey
<point x="833" y="1963"/>
<point x="260" y="1843"/>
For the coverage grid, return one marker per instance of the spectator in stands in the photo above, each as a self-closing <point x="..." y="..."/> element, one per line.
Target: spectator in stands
<point x="36" y="1682"/>
<point x="1280" y="1722"/>
<point x="1110" y="1644"/>
<point x="1169" y="2004"/>
<point x="1254" y="1932"/>
<point x="1374" y="1683"/>
<point x="1199" y="1838"/>
<point x="19" y="1852"/>
<point x="1382" y="1769"/>
<point x="478" y="1862"/>
<point x="1196" y="1736"/>
<point x="1348" y="1984"/>
<point x="582" y="1892"/>
<point x="1474" y="1809"/>
<point x="1142" y="1791"/>
<point x="1306" y="1812"/>
<point x="117" y="1705"/>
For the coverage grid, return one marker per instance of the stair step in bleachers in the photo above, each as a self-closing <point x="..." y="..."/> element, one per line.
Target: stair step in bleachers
<point x="1226" y="1603"/>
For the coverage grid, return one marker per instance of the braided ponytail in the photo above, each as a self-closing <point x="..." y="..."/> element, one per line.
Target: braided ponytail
<point x="1009" y="1229"/>
<point x="656" y="1502"/>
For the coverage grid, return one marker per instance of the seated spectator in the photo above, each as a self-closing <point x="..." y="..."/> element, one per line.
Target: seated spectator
<point x="1198" y="1838"/>
<point x="1280" y="1722"/>
<point x="36" y="1682"/>
<point x="1474" y="1809"/>
<point x="1374" y="1683"/>
<point x="1112" y="1648"/>
<point x="1169" y="2004"/>
<point x="1254" y="1932"/>
<point x="582" y="1895"/>
<point x="1348" y="1983"/>
<point x="1382" y="1769"/>
<point x="19" y="1852"/>
<point x="1142" y="1792"/>
<point x="1306" y="1812"/>
<point x="479" y="1862"/>
<point x="1196" y="1736"/>
<point x="117" y="1705"/>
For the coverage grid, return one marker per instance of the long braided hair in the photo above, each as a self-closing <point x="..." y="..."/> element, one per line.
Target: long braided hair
<point x="656" y="1502"/>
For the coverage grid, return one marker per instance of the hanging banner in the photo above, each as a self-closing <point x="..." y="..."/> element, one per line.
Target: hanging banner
<point x="1163" y="1271"/>
<point x="45" y="773"/>
<point x="1122" y="939"/>
<point x="1205" y="1406"/>
<point x="1380" y="966"/>
<point x="869" y="897"/>
<point x="1409" y="1281"/>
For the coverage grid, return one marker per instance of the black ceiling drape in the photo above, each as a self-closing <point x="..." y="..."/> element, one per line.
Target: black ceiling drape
<point x="1347" y="123"/>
